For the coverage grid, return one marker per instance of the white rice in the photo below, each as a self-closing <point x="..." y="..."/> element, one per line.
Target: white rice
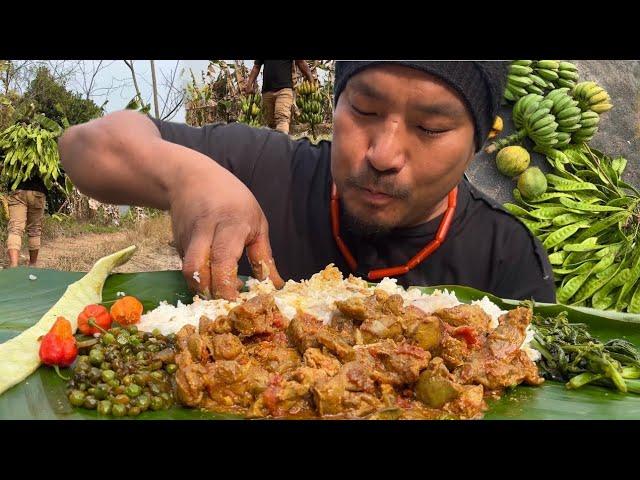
<point x="316" y="296"/>
<point x="169" y="319"/>
<point x="532" y="353"/>
<point x="490" y="309"/>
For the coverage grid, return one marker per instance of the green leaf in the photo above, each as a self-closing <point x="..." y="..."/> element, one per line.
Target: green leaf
<point x="133" y="104"/>
<point x="16" y="182"/>
<point x="42" y="395"/>
<point x="19" y="355"/>
<point x="68" y="185"/>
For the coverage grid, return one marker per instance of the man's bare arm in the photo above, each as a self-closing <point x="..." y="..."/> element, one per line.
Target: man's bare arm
<point x="253" y="76"/>
<point x="304" y="68"/>
<point x="122" y="159"/>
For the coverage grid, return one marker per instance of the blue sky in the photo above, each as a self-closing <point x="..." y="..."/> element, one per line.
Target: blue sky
<point x="119" y="74"/>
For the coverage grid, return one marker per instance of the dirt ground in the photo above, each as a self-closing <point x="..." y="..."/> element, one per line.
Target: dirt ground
<point x="79" y="252"/>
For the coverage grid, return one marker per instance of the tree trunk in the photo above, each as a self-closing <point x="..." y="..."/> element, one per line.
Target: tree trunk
<point x="155" y="88"/>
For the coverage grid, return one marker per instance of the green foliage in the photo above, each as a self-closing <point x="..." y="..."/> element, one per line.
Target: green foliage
<point x="137" y="104"/>
<point x="45" y="95"/>
<point x="7" y="108"/>
<point x="30" y="150"/>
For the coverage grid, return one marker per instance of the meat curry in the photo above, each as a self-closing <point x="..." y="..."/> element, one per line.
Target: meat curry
<point x="376" y="359"/>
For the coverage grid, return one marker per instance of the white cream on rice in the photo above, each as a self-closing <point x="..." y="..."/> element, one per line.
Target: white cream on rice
<point x="316" y="296"/>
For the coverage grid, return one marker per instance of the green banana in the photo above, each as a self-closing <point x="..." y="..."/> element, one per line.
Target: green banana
<point x="564" y="138"/>
<point x="602" y="97"/>
<point x="601" y="107"/>
<point x="509" y="96"/>
<point x="519" y="81"/>
<point x="520" y="70"/>
<point x="590" y="92"/>
<point x="556" y="94"/>
<point x="516" y="91"/>
<point x="539" y="82"/>
<point x="568" y="66"/>
<point x="531" y="101"/>
<point x="565" y="103"/>
<point x="533" y="88"/>
<point x="521" y="106"/>
<point x="546" y="103"/>
<point x="578" y="89"/>
<point x="563" y="82"/>
<point x="547" y="74"/>
<point x="547" y="142"/>
<point x="537" y="115"/>
<point x="523" y="63"/>
<point x="569" y="113"/>
<point x="546" y="130"/>
<point x="548" y="64"/>
<point x="542" y="123"/>
<point x="573" y="128"/>
<point x="568" y="74"/>
<point x="569" y="122"/>
<point x="588" y="131"/>
<point x="589" y="122"/>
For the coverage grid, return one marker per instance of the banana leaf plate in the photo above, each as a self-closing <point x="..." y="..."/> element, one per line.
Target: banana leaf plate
<point x="42" y="395"/>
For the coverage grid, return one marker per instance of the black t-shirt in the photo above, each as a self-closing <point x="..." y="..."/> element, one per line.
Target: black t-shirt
<point x="486" y="248"/>
<point x="276" y="74"/>
<point x="35" y="184"/>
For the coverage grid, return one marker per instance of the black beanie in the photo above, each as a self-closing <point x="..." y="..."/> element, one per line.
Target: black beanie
<point x="481" y="85"/>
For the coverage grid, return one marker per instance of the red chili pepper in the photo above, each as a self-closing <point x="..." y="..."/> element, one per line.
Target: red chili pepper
<point x="99" y="314"/>
<point x="467" y="333"/>
<point x="58" y="347"/>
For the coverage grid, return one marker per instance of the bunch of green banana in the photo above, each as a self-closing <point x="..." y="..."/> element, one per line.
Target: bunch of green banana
<point x="29" y="149"/>
<point x="307" y="88"/>
<point x="533" y="118"/>
<point x="539" y="77"/>
<point x="591" y="96"/>
<point x="557" y="74"/>
<point x="519" y="82"/>
<point x="567" y="75"/>
<point x="250" y="107"/>
<point x="574" y="111"/>
<point x="309" y="101"/>
<point x="567" y="114"/>
<point x="588" y="221"/>
<point x="588" y="127"/>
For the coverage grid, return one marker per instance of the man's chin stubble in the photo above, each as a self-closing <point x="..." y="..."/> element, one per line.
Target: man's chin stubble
<point x="361" y="227"/>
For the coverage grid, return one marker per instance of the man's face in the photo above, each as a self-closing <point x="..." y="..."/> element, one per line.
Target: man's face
<point x="402" y="140"/>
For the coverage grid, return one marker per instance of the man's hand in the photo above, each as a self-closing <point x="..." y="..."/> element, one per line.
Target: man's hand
<point x="214" y="215"/>
<point x="212" y="231"/>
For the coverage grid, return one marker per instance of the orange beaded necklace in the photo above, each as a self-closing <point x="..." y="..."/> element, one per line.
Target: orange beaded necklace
<point x="380" y="273"/>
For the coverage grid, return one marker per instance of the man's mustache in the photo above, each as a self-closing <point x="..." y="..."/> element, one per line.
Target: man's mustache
<point x="373" y="181"/>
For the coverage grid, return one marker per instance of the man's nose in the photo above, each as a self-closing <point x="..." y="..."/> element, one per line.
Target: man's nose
<point x="387" y="149"/>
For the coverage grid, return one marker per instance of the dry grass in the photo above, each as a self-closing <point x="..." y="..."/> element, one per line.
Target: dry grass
<point x="75" y="246"/>
<point x="151" y="236"/>
<point x="52" y="229"/>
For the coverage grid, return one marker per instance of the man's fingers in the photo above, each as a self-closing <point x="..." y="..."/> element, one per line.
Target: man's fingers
<point x="261" y="259"/>
<point x="227" y="248"/>
<point x="196" y="262"/>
